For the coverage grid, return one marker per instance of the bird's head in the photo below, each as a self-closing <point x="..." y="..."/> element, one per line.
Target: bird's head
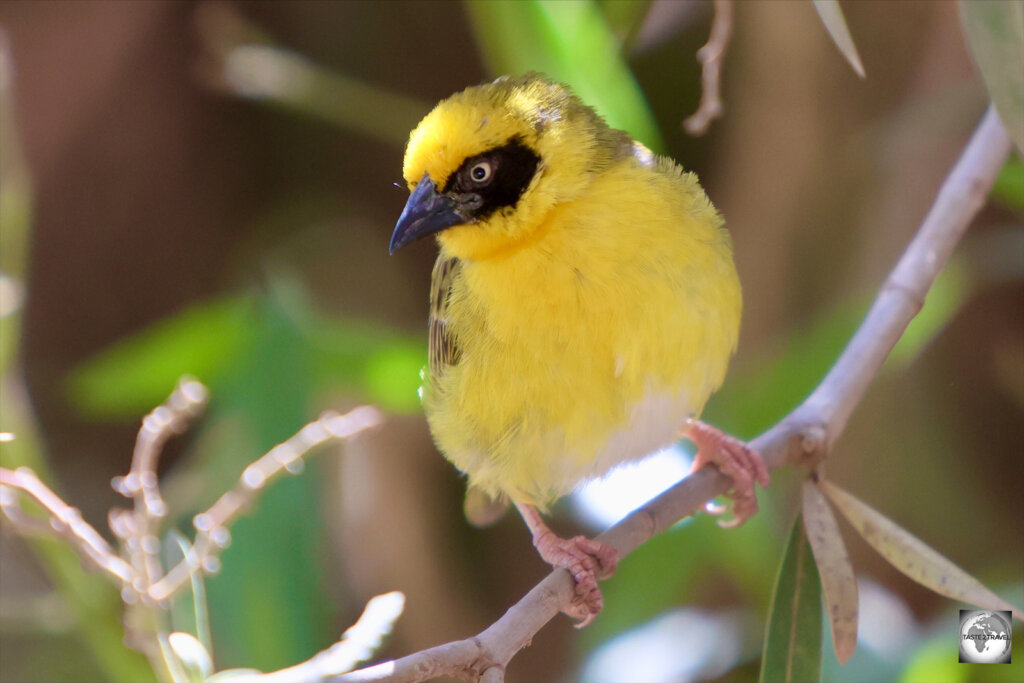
<point x="488" y="164"/>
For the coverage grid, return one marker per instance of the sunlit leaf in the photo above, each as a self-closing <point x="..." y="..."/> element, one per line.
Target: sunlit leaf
<point x="383" y="365"/>
<point x="792" y="646"/>
<point x="835" y="23"/>
<point x="572" y="43"/>
<point x="912" y="557"/>
<point x="995" y="33"/>
<point x="191" y="655"/>
<point x="835" y="568"/>
<point x="133" y="376"/>
<point x="207" y="339"/>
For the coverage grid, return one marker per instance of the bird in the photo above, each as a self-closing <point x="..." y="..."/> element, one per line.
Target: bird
<point x="584" y="305"/>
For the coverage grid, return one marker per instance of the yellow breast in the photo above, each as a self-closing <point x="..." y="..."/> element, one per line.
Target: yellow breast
<point x="590" y="342"/>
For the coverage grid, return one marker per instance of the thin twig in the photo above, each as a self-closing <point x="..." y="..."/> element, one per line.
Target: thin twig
<point x="212" y="534"/>
<point x="142" y="484"/>
<point x="142" y="576"/>
<point x="64" y="521"/>
<point x="710" y="57"/>
<point x="356" y="644"/>
<point x="802" y="438"/>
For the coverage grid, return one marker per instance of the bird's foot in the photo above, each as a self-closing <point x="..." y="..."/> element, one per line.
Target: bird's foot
<point x="737" y="461"/>
<point x="586" y="560"/>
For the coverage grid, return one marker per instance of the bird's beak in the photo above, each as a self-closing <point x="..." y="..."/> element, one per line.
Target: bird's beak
<point x="427" y="211"/>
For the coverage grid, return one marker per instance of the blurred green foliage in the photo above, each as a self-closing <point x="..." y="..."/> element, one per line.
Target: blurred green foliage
<point x="266" y="358"/>
<point x="572" y="42"/>
<point x="212" y="340"/>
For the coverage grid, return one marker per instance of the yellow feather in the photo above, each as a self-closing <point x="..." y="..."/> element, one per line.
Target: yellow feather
<point x="586" y="321"/>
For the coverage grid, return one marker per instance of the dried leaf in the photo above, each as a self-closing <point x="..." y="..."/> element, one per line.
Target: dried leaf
<point x="835" y="23"/>
<point x="914" y="558"/>
<point x="792" y="645"/>
<point x="995" y="33"/>
<point x="837" y="579"/>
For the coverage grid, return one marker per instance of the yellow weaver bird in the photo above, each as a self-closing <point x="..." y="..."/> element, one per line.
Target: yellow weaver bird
<point x="583" y="306"/>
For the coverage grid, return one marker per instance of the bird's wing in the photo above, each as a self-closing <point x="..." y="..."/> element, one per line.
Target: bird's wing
<point x="442" y="350"/>
<point x="480" y="508"/>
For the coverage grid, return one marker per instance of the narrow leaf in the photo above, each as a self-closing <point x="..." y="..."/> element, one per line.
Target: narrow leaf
<point x="134" y="374"/>
<point x="572" y="43"/>
<point x="914" y="558"/>
<point x="995" y="33"/>
<point x="835" y="23"/>
<point x="188" y="615"/>
<point x="836" y="570"/>
<point x="792" y="645"/>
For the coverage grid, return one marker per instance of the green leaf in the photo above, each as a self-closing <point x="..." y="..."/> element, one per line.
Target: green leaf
<point x="995" y="33"/>
<point x="267" y="605"/>
<point x="572" y="43"/>
<point x="131" y="377"/>
<point x="205" y="340"/>
<point x="793" y="643"/>
<point x="383" y="365"/>
<point x="835" y="23"/>
<point x="913" y="557"/>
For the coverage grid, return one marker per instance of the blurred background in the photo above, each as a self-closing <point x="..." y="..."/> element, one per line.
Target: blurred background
<point x="208" y="188"/>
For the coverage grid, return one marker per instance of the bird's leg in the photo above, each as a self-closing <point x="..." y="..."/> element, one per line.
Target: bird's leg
<point x="585" y="558"/>
<point x="736" y="460"/>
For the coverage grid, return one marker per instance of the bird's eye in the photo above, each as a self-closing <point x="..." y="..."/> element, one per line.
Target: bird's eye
<point x="481" y="173"/>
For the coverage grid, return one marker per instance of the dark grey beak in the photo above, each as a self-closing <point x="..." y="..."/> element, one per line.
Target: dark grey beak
<point x="426" y="212"/>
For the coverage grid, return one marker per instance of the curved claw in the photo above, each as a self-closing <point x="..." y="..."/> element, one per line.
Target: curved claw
<point x="586" y="559"/>
<point x="737" y="461"/>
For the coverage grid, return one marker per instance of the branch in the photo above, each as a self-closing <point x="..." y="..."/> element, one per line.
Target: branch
<point x="138" y="528"/>
<point x="141" y="576"/>
<point x="710" y="58"/>
<point x="64" y="522"/>
<point x="802" y="438"/>
<point x="212" y="534"/>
